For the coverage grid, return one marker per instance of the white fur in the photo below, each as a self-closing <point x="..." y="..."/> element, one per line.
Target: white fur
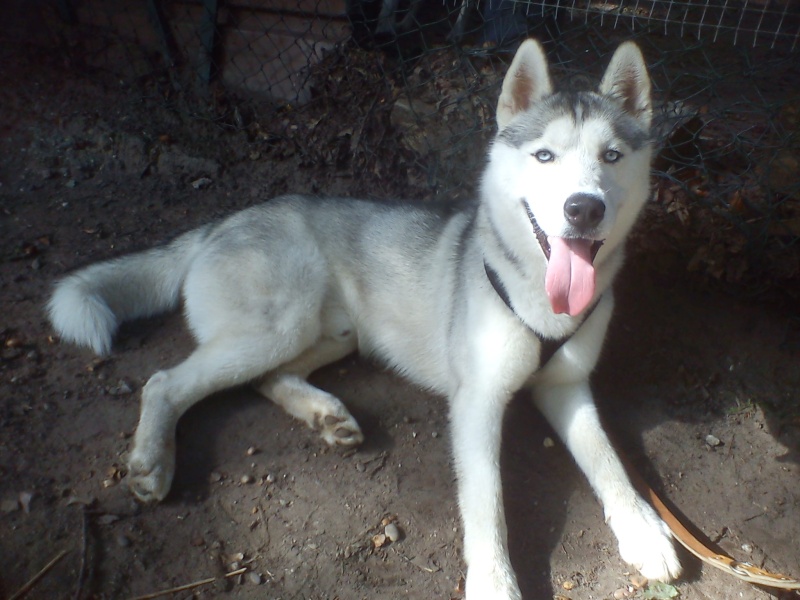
<point x="279" y="290"/>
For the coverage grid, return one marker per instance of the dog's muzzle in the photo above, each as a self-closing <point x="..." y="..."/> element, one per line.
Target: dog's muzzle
<point x="572" y="205"/>
<point x="570" y="279"/>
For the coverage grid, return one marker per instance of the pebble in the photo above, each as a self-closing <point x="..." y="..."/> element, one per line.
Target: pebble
<point x="107" y="519"/>
<point x="254" y="578"/>
<point x="247" y="479"/>
<point x="25" y="501"/>
<point x="202" y="182"/>
<point x="123" y="541"/>
<point x="713" y="441"/>
<point x="392" y="532"/>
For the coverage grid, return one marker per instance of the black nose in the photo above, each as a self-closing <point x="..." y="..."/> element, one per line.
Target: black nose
<point x="584" y="211"/>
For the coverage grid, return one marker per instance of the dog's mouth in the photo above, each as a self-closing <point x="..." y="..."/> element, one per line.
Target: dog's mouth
<point x="570" y="276"/>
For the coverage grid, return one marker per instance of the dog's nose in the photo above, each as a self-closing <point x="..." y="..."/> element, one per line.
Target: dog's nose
<point x="584" y="211"/>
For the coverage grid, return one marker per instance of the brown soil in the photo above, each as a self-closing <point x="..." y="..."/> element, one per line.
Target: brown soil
<point x="88" y="174"/>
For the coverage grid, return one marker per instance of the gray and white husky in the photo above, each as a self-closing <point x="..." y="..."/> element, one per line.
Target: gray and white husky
<point x="512" y="292"/>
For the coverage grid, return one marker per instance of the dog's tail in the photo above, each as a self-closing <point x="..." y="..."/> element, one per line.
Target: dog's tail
<point x="88" y="306"/>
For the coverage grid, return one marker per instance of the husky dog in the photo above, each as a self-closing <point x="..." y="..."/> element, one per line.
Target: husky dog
<point x="512" y="292"/>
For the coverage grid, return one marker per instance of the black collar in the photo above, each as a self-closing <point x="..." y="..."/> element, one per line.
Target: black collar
<point x="548" y="346"/>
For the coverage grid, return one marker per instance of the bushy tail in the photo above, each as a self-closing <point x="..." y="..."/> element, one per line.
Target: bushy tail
<point x="88" y="306"/>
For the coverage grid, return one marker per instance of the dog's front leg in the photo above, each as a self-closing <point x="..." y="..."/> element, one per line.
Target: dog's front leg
<point x="476" y="421"/>
<point x="644" y="539"/>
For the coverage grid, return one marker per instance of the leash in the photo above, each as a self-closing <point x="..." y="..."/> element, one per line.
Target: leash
<point x="741" y="570"/>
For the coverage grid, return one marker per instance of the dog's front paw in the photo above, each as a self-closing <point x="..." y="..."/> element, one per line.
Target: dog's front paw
<point x="646" y="542"/>
<point x="340" y="430"/>
<point x="150" y="474"/>
<point x="496" y="584"/>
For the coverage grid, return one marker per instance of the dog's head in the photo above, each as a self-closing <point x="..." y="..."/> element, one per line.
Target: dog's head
<point x="572" y="167"/>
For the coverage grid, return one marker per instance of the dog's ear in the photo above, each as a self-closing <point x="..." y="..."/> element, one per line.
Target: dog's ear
<point x="627" y="80"/>
<point x="527" y="80"/>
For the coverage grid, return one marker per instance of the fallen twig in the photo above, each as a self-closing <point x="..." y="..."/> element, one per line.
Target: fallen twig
<point x="84" y="545"/>
<point x="27" y="587"/>
<point x="189" y="586"/>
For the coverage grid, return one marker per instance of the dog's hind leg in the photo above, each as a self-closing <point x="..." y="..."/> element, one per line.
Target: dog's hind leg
<point x="323" y="412"/>
<point x="229" y="359"/>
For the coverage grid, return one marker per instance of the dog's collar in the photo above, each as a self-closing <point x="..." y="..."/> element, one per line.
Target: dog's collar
<point x="548" y="346"/>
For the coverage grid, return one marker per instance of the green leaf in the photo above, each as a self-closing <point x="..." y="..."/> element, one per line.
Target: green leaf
<point x="660" y="591"/>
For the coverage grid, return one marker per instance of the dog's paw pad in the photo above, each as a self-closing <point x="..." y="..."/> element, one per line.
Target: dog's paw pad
<point x="341" y="431"/>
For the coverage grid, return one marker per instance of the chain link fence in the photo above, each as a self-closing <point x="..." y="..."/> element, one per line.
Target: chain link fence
<point x="409" y="86"/>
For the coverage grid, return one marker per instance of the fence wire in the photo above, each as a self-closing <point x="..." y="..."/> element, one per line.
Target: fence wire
<point x="410" y="87"/>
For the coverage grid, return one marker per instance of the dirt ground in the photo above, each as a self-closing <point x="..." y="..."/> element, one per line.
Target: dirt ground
<point x="88" y="173"/>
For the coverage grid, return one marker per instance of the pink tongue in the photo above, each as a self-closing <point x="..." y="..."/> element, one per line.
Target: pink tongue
<point x="570" y="277"/>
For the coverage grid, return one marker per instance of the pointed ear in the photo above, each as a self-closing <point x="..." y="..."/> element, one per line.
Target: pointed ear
<point x="627" y="80"/>
<point x="527" y="80"/>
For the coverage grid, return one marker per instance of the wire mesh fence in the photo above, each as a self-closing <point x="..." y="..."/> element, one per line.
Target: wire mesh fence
<point x="411" y="85"/>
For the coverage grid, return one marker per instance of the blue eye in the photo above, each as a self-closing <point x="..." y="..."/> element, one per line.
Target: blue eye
<point x="544" y="156"/>
<point x="611" y="156"/>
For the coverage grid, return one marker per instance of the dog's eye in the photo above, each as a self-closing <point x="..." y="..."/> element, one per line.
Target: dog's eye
<point x="543" y="156"/>
<point x="611" y="156"/>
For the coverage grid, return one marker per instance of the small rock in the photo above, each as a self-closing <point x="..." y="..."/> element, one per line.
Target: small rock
<point x="392" y="532"/>
<point x="548" y="442"/>
<point x="247" y="479"/>
<point x="747" y="548"/>
<point x="379" y="540"/>
<point x="107" y="519"/>
<point x="202" y="182"/>
<point x="214" y="477"/>
<point x="622" y="593"/>
<point x="713" y="441"/>
<point x="254" y="578"/>
<point x="121" y="389"/>
<point x="123" y="541"/>
<point x="25" y="501"/>
<point x="252" y="450"/>
<point x="568" y="585"/>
